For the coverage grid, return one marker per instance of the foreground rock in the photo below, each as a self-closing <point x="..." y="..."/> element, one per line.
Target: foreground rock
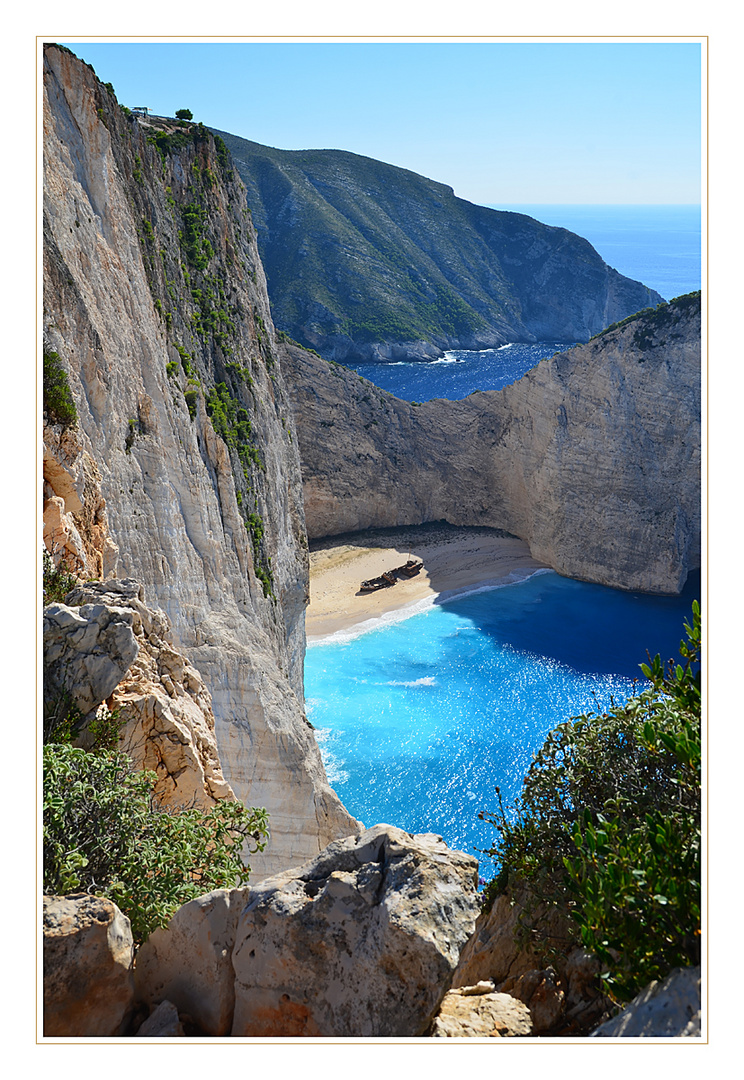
<point x="472" y="1012"/>
<point x="668" y="1009"/>
<point x="88" y="951"/>
<point x="563" y="999"/>
<point x="360" y="942"/>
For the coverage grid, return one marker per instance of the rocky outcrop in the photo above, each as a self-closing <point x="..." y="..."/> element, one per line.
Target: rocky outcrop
<point x="366" y="261"/>
<point x="87" y="651"/>
<point x="592" y="458"/>
<point x="477" y="1012"/>
<point x="160" y="699"/>
<point x="189" y="962"/>
<point x="664" y="1010"/>
<point x="88" y="952"/>
<point x="562" y="999"/>
<point x="182" y="472"/>
<point x="360" y="942"/>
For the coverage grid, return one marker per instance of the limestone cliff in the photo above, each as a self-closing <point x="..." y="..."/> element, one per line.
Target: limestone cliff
<point x="593" y="457"/>
<point x="182" y="472"/>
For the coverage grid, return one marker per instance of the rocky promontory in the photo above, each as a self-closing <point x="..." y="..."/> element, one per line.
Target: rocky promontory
<point x="368" y="261"/>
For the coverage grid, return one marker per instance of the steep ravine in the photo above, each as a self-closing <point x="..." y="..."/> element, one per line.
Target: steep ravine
<point x="183" y="472"/>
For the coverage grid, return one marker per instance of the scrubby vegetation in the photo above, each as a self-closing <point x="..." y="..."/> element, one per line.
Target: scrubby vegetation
<point x="606" y="831"/>
<point x="104" y="833"/>
<point x="59" y="407"/>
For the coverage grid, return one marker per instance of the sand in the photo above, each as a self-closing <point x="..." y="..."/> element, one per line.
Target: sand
<point x="455" y="560"/>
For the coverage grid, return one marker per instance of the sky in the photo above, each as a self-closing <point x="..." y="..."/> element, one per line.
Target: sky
<point x="501" y="122"/>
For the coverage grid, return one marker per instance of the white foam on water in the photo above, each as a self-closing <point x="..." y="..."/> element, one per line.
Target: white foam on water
<point x="428" y="680"/>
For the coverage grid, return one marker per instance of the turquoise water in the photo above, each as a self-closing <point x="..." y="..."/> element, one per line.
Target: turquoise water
<point x="420" y="720"/>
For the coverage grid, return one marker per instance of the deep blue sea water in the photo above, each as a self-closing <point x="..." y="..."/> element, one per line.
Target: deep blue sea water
<point x="420" y="720"/>
<point x="658" y="245"/>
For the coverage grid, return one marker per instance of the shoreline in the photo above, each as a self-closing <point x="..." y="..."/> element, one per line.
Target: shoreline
<point x="457" y="560"/>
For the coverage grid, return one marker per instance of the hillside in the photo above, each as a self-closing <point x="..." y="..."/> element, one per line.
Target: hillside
<point x="365" y="260"/>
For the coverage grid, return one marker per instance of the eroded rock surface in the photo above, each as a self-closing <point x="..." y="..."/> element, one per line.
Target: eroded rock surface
<point x="184" y="460"/>
<point x="88" y="952"/>
<point x="669" y="1009"/>
<point x="477" y="1012"/>
<point x="360" y="942"/>
<point x="592" y="458"/>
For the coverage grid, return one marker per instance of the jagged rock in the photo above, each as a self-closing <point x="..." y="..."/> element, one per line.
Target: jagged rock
<point x="361" y="942"/>
<point x="162" y="1023"/>
<point x="190" y="961"/>
<point x="592" y="458"/>
<point x="472" y="1012"/>
<point x="88" y="951"/>
<point x="565" y="998"/>
<point x="169" y="725"/>
<point x="668" y="1010"/>
<point x="87" y="651"/>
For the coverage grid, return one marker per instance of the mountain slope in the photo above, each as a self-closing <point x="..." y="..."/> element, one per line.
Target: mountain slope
<point x="369" y="261"/>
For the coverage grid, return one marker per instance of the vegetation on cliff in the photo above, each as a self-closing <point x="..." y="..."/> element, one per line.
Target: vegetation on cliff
<point x="606" y="833"/>
<point x="105" y="834"/>
<point x="357" y="251"/>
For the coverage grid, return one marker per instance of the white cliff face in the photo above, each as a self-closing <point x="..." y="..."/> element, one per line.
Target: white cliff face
<point x="592" y="458"/>
<point x="153" y="296"/>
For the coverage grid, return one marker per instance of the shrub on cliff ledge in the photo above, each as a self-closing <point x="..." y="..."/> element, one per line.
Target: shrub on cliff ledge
<point x="105" y="834"/>
<point x="607" y="829"/>
<point x="58" y="404"/>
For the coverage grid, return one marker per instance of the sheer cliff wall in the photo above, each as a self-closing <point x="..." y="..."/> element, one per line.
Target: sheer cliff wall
<point x="593" y="457"/>
<point x="182" y="472"/>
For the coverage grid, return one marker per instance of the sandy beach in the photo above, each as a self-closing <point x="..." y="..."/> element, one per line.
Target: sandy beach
<point x="455" y="559"/>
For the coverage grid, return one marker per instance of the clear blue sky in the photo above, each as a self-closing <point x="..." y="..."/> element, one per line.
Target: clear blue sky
<point x="502" y="123"/>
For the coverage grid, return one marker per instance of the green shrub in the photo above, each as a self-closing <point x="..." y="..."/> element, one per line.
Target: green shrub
<point x="57" y="580"/>
<point x="58" y="404"/>
<point x="607" y="829"/>
<point x="184" y="114"/>
<point x="105" y="834"/>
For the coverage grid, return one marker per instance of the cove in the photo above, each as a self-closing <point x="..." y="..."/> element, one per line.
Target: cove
<point x="420" y="721"/>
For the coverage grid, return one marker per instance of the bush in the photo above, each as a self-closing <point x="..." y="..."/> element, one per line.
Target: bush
<point x="607" y="829"/>
<point x="57" y="581"/>
<point x="105" y="834"/>
<point x="58" y="404"/>
<point x="184" y="114"/>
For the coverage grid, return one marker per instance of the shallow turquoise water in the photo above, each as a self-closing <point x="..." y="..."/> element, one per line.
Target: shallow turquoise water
<point x="419" y="721"/>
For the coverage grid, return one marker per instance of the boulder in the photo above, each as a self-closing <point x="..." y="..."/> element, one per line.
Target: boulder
<point x="87" y="651"/>
<point x="359" y="942"/>
<point x="664" y="1010"/>
<point x="476" y="1012"/>
<point x="189" y="962"/>
<point x="162" y="1023"/>
<point x="88" y="951"/>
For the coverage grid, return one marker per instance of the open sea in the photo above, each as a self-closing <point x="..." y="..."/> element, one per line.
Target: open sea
<point x="420" y="719"/>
